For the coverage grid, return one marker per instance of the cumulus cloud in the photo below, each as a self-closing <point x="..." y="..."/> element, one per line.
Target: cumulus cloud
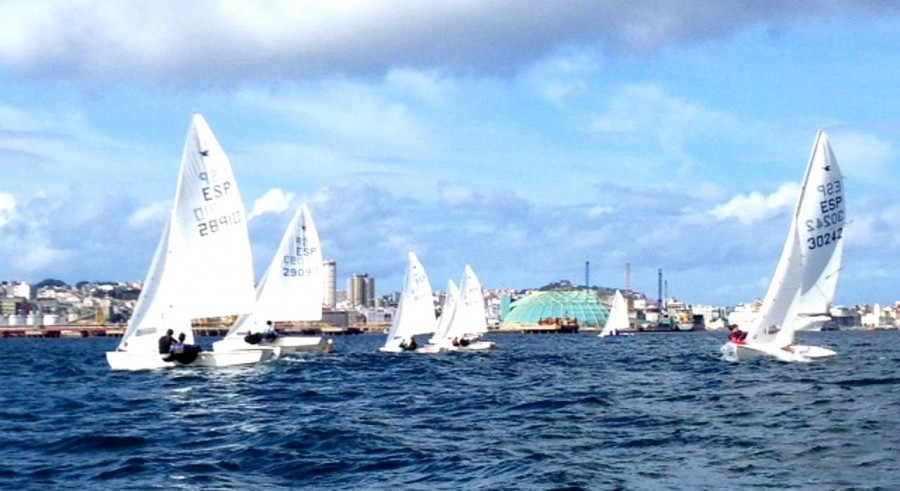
<point x="755" y="207"/>
<point x="221" y="43"/>
<point x="274" y="201"/>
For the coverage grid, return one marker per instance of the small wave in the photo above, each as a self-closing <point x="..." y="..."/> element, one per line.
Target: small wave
<point x="863" y="382"/>
<point x="94" y="443"/>
<point x="553" y="404"/>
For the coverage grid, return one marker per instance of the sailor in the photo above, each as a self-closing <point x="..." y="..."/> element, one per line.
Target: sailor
<point x="183" y="352"/>
<point x="737" y="336"/>
<point x="166" y="342"/>
<point x="270" y="332"/>
<point x="178" y="347"/>
<point x="411" y="344"/>
<point x="455" y="341"/>
<point x="252" y="338"/>
<point x="464" y="341"/>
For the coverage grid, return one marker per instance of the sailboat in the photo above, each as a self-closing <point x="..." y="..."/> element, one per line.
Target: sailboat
<point x="469" y="321"/>
<point x="448" y="307"/>
<point x="202" y="266"/>
<point x="807" y="269"/>
<point x="464" y="321"/>
<point x="618" y="318"/>
<point x="290" y="290"/>
<point x="415" y="313"/>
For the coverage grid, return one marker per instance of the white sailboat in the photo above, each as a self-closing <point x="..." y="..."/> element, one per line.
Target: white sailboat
<point x="290" y="290"/>
<point x="415" y="313"/>
<point x="807" y="271"/>
<point x="618" y="318"/>
<point x="467" y="320"/>
<point x="202" y="266"/>
<point x="447" y="310"/>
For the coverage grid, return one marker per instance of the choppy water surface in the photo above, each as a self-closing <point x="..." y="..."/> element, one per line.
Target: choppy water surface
<point x="654" y="411"/>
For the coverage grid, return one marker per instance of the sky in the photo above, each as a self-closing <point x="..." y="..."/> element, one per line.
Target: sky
<point x="522" y="138"/>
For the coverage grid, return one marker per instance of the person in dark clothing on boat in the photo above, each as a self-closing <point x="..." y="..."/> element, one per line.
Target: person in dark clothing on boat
<point x="737" y="336"/>
<point x="178" y="347"/>
<point x="252" y="338"/>
<point x="464" y="341"/>
<point x="166" y="342"/>
<point x="183" y="352"/>
<point x="410" y="345"/>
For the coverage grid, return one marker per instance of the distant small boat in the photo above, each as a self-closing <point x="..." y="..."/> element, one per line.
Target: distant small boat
<point x="617" y="322"/>
<point x="415" y="312"/>
<point x="202" y="266"/>
<point x="809" y="261"/>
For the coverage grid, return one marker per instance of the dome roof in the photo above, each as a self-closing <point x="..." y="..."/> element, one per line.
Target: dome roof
<point x="580" y="304"/>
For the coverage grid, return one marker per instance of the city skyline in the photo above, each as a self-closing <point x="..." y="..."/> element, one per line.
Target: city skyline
<point x="523" y="141"/>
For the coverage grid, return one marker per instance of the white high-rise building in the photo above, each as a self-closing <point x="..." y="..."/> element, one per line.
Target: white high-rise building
<point x="330" y="277"/>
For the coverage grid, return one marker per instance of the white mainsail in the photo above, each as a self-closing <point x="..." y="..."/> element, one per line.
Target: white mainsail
<point x="618" y="316"/>
<point x="806" y="276"/>
<point x="292" y="288"/>
<point x="469" y="316"/>
<point x="448" y="308"/>
<point x="415" y="313"/>
<point x="202" y="266"/>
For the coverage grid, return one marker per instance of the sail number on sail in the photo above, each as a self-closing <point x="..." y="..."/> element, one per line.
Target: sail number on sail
<point x="297" y="257"/>
<point x="209" y="221"/>
<point x="832" y="208"/>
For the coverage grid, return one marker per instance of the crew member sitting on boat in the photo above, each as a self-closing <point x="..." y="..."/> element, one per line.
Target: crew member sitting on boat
<point x="455" y="342"/>
<point x="737" y="336"/>
<point x="464" y="341"/>
<point x="166" y="342"/>
<point x="270" y="333"/>
<point x="409" y="345"/>
<point x="252" y="338"/>
<point x="183" y="352"/>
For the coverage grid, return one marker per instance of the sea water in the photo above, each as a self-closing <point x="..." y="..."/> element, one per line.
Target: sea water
<point x="653" y="411"/>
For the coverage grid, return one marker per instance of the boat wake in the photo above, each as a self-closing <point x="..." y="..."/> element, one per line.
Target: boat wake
<point x="729" y="353"/>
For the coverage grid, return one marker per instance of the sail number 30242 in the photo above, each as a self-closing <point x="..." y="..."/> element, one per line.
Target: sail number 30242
<point x="825" y="239"/>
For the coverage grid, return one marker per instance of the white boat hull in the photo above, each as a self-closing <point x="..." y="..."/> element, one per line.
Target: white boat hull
<point x="474" y="346"/>
<point x="391" y="349"/>
<point x="123" y="360"/>
<point x="608" y="335"/>
<point x="431" y="349"/>
<point x="282" y="344"/>
<point x="813" y="352"/>
<point x="793" y="353"/>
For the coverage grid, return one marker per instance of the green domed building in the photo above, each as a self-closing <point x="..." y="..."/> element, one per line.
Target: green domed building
<point x="538" y="308"/>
